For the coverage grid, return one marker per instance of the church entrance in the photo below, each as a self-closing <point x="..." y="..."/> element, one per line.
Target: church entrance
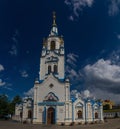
<point x="51" y="115"/>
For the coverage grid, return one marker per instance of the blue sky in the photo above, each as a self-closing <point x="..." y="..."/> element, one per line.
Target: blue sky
<point x="91" y="30"/>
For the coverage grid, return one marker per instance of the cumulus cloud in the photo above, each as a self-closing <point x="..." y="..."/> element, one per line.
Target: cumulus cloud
<point x="74" y="92"/>
<point x="24" y="74"/>
<point x="1" y="68"/>
<point x="29" y="93"/>
<point x="103" y="75"/>
<point x="114" y="7"/>
<point x="84" y="94"/>
<point x="102" y="78"/>
<point x="77" y="5"/>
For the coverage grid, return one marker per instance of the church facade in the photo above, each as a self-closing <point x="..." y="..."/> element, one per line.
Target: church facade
<point x="52" y="102"/>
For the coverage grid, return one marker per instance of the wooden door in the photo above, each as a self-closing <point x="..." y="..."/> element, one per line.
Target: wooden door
<point x="50" y="115"/>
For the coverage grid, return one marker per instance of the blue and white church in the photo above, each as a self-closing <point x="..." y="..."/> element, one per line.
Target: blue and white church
<point x="52" y="102"/>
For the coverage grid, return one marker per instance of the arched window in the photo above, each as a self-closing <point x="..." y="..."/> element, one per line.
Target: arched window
<point x="55" y="69"/>
<point x="20" y="114"/>
<point x="49" y="69"/>
<point x="79" y="114"/>
<point x="96" y="115"/>
<point x="29" y="114"/>
<point x="52" y="47"/>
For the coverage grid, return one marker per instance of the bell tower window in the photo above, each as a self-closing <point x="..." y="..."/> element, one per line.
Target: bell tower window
<point x="52" y="47"/>
<point x="55" y="69"/>
<point x="49" y="69"/>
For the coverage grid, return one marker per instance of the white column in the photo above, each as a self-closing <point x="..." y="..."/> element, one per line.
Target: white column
<point x="101" y="112"/>
<point x="35" y="104"/>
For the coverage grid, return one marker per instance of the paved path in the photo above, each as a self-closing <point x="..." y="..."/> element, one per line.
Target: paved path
<point x="110" y="124"/>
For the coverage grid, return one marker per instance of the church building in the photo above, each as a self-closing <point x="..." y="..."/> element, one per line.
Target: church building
<point x="52" y="102"/>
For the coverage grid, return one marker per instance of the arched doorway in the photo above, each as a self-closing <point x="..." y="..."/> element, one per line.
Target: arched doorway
<point x="29" y="114"/>
<point x="96" y="115"/>
<point x="79" y="114"/>
<point x="51" y="115"/>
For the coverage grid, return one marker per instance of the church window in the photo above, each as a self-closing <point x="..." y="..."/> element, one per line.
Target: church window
<point x="49" y="69"/>
<point x="20" y="114"/>
<point x="79" y="114"/>
<point x="29" y="114"/>
<point x="96" y="115"/>
<point x="55" y="69"/>
<point x="52" y="47"/>
<point x="51" y="85"/>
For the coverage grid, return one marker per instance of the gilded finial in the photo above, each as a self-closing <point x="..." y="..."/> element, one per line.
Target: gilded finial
<point x="54" y="18"/>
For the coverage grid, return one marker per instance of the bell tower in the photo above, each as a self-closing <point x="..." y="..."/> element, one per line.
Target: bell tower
<point x="52" y="56"/>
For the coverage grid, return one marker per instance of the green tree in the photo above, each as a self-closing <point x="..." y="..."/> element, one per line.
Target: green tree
<point x="16" y="99"/>
<point x="106" y="107"/>
<point x="4" y="105"/>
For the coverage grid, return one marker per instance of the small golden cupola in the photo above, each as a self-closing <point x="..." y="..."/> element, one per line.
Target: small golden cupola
<point x="54" y="30"/>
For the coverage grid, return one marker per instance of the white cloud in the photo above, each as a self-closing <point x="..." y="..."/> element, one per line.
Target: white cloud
<point x="103" y="69"/>
<point x="86" y="93"/>
<point x="71" y="71"/>
<point x="78" y="5"/>
<point x="115" y="57"/>
<point x="83" y="94"/>
<point x="13" y="50"/>
<point x="102" y="78"/>
<point x="103" y="75"/>
<point x="29" y="93"/>
<point x="1" y="68"/>
<point x="2" y="83"/>
<point x="114" y="7"/>
<point x="24" y="74"/>
<point x="71" y="61"/>
<point x="75" y="94"/>
<point x="73" y="57"/>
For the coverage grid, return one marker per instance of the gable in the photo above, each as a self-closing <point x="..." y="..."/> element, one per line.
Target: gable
<point x="79" y="102"/>
<point x="51" y="97"/>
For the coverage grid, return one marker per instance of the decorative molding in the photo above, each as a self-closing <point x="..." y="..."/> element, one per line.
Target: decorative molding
<point x="51" y="97"/>
<point x="50" y="103"/>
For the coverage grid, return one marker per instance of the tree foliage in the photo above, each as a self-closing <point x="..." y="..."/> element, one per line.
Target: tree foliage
<point x="16" y="99"/>
<point x="4" y="105"/>
<point x="7" y="106"/>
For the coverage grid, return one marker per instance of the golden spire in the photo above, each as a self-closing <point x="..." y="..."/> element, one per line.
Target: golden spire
<point x="54" y="18"/>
